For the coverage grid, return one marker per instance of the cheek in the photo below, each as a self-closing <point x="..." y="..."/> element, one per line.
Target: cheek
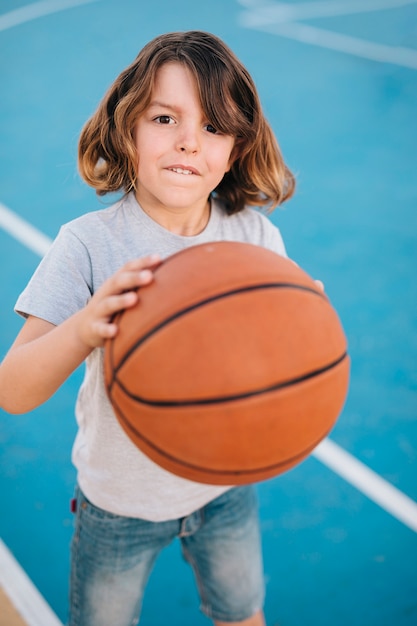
<point x="232" y="155"/>
<point x="222" y="157"/>
<point x="145" y="153"/>
<point x="144" y="143"/>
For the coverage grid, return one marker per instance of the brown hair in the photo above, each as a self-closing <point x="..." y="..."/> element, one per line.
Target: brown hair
<point x="107" y="152"/>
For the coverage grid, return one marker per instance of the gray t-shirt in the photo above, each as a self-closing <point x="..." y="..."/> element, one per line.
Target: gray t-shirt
<point x="112" y="472"/>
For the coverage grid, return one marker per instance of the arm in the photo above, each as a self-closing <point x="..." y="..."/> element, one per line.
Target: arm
<point x="43" y="355"/>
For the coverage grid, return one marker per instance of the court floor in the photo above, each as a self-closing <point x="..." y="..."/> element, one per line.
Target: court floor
<point x="338" y="81"/>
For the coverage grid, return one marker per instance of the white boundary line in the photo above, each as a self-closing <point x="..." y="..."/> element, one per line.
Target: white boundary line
<point x="368" y="482"/>
<point x="24" y="232"/>
<point x="277" y="19"/>
<point x="37" y="9"/>
<point x="285" y="12"/>
<point x="25" y="597"/>
<point x="388" y="497"/>
<point x="395" y="55"/>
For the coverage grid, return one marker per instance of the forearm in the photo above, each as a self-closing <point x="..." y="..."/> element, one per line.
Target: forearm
<point x="44" y="355"/>
<point x="33" y="370"/>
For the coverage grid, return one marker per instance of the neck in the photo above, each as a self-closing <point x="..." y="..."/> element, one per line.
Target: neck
<point x="184" y="222"/>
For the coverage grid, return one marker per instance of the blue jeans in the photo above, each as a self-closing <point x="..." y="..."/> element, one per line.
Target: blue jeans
<point x="112" y="557"/>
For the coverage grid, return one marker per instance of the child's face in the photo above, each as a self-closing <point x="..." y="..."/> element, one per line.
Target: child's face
<point x="181" y="157"/>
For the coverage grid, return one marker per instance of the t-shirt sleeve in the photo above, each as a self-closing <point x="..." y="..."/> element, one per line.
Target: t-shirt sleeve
<point x="62" y="283"/>
<point x="276" y="242"/>
<point x="270" y="235"/>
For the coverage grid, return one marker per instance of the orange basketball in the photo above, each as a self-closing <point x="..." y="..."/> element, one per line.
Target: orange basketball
<point x="231" y="368"/>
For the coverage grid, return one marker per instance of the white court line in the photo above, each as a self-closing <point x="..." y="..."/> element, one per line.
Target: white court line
<point x="278" y="12"/>
<point x="276" y="18"/>
<point x="368" y="482"/>
<point x="329" y="453"/>
<point x="37" y="9"/>
<point x="24" y="232"/>
<point x="22" y="592"/>
<point x="404" y="57"/>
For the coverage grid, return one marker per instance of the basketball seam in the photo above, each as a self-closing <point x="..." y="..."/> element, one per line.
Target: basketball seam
<point x="201" y="303"/>
<point x="208" y="470"/>
<point x="235" y="397"/>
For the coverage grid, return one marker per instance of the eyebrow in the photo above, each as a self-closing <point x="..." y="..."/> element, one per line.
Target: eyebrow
<point x="163" y="105"/>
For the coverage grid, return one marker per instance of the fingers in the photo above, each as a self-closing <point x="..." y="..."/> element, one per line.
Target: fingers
<point x="150" y="262"/>
<point x="127" y="280"/>
<point x="134" y="274"/>
<point x="113" y="304"/>
<point x="119" y="292"/>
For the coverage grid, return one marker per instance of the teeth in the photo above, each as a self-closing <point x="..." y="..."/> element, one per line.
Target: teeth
<point x="179" y="170"/>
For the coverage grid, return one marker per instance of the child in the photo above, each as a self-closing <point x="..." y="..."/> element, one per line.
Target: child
<point x="181" y="133"/>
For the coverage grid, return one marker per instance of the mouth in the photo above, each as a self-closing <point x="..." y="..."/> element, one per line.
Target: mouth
<point x="184" y="171"/>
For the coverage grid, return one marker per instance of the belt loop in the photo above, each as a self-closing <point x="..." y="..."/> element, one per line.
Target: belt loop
<point x="183" y="529"/>
<point x="191" y="523"/>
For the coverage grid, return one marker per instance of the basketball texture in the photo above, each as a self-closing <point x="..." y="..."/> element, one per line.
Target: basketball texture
<point x="232" y="366"/>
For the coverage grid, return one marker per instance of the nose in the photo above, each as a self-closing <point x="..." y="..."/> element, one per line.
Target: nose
<point x="188" y="139"/>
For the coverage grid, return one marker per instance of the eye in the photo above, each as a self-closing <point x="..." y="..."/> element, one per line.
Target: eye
<point x="210" y="129"/>
<point x="164" y="119"/>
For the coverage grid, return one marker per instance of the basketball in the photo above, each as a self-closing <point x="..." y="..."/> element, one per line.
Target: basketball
<point x="231" y="367"/>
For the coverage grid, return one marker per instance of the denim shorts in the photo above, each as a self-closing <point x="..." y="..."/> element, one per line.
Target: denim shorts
<point x="112" y="557"/>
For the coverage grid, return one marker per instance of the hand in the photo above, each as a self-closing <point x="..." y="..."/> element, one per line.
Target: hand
<point x="117" y="293"/>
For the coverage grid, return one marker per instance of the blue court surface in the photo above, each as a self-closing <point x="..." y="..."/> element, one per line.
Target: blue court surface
<point x="338" y="80"/>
